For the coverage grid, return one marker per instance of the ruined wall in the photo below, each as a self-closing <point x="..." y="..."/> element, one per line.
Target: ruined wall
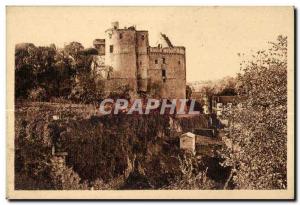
<point x="99" y="44"/>
<point x="173" y="79"/>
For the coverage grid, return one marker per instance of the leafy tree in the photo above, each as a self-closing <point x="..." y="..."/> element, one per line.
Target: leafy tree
<point x="42" y="68"/>
<point x="46" y="73"/>
<point x="188" y="92"/>
<point x="24" y="66"/>
<point x="227" y="92"/>
<point x="257" y="134"/>
<point x="87" y="89"/>
<point x="73" y="49"/>
<point x="65" y="71"/>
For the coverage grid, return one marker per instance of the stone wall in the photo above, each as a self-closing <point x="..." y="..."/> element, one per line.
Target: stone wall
<point x="121" y="52"/>
<point x="167" y="67"/>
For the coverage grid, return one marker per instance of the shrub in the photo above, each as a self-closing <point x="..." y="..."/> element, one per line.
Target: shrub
<point x="38" y="94"/>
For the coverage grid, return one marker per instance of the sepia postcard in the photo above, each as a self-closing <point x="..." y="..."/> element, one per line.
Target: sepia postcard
<point x="156" y="103"/>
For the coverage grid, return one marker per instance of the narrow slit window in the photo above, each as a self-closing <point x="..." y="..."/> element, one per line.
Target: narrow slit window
<point x="121" y="35"/>
<point x="163" y="73"/>
<point x="164" y="60"/>
<point x="156" y="61"/>
<point x="111" y="48"/>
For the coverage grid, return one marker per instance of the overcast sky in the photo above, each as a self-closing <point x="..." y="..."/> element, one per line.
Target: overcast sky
<point x="212" y="35"/>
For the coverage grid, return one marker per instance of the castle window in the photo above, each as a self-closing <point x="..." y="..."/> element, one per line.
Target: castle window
<point x="143" y="37"/>
<point x="111" y="48"/>
<point x="164" y="61"/>
<point x="178" y="62"/>
<point x="156" y="61"/>
<point x="121" y="35"/>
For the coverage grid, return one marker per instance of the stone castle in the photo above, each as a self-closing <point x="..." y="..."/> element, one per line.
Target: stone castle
<point x="127" y="59"/>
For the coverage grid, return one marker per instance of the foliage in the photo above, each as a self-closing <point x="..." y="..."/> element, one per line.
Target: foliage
<point x="99" y="184"/>
<point x="32" y="156"/>
<point x="107" y="141"/>
<point x="191" y="177"/>
<point x="224" y="87"/>
<point x="38" y="94"/>
<point x="106" y="152"/>
<point x="154" y="89"/>
<point x="63" y="177"/>
<point x="44" y="73"/>
<point x="122" y="92"/>
<point x="188" y="92"/>
<point x="87" y="89"/>
<point x="73" y="49"/>
<point x="191" y="123"/>
<point x="257" y="144"/>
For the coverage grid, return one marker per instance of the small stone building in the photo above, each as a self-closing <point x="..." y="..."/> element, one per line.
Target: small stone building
<point x="187" y="142"/>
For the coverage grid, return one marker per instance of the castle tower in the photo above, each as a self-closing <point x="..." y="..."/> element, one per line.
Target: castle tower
<point x="120" y="55"/>
<point x="131" y="61"/>
<point x="168" y="69"/>
<point x="142" y="45"/>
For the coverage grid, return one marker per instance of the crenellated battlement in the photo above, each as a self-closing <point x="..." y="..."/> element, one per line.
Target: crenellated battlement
<point x="168" y="50"/>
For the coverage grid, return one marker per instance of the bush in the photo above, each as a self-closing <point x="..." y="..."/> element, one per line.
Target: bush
<point x="63" y="177"/>
<point x="38" y="94"/>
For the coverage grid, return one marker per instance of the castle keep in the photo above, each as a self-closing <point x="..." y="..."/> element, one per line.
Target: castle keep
<point x="129" y="60"/>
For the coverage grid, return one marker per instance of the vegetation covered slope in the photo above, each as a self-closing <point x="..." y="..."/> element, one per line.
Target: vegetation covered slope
<point x="107" y="152"/>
